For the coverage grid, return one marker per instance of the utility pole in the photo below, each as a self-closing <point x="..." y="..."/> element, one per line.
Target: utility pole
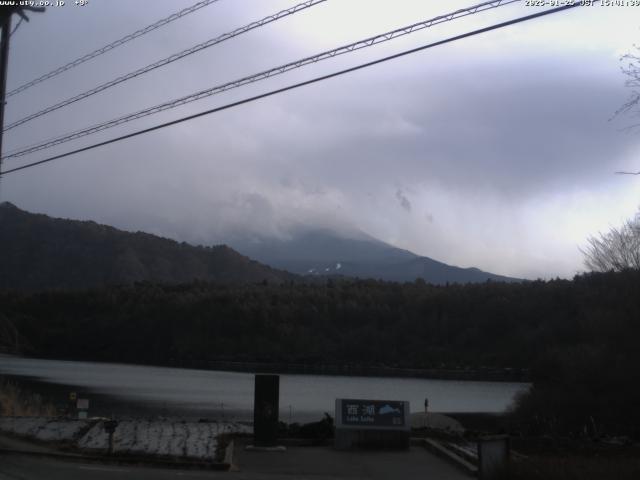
<point x="5" y="19"/>
<point x="4" y="63"/>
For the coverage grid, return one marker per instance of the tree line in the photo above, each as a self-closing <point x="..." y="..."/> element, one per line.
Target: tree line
<point x="578" y="337"/>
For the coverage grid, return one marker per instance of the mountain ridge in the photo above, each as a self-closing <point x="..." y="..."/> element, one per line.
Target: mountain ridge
<point x="42" y="252"/>
<point x="320" y="251"/>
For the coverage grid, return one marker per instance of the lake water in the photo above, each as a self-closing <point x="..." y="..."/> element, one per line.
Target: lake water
<point x="133" y="390"/>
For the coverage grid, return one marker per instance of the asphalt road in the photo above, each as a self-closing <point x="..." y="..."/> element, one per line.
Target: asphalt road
<point x="326" y="463"/>
<point x="28" y="467"/>
<point x="304" y="463"/>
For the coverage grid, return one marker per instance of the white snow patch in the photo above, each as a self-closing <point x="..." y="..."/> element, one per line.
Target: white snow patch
<point x="195" y="440"/>
<point x="95" y="439"/>
<point x="48" y="429"/>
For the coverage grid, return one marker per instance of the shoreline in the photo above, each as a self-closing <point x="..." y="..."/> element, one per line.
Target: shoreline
<point x="478" y="374"/>
<point x="482" y="374"/>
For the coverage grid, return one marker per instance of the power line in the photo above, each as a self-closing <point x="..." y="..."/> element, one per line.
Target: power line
<point x="165" y="61"/>
<point x="383" y="37"/>
<point x="111" y="46"/>
<point x="298" y="85"/>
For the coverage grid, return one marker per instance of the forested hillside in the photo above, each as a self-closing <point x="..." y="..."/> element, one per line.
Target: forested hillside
<point x="40" y="252"/>
<point x="579" y="337"/>
<point x="361" y="321"/>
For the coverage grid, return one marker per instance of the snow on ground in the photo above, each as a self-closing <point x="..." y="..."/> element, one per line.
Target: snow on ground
<point x="59" y="430"/>
<point x="436" y="421"/>
<point x="26" y="426"/>
<point x="46" y="429"/>
<point x="172" y="438"/>
<point x="161" y="437"/>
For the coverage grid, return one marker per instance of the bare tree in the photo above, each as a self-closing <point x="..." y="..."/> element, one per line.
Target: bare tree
<point x="631" y="69"/>
<point x="617" y="250"/>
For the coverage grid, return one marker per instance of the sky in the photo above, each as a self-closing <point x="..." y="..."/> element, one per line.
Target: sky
<point x="496" y="151"/>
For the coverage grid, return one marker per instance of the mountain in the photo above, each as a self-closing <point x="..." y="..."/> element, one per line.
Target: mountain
<point x="311" y="251"/>
<point x="40" y="252"/>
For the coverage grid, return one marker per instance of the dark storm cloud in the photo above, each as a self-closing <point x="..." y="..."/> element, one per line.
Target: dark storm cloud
<point x="506" y="129"/>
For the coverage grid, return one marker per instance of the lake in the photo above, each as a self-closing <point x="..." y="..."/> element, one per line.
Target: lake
<point x="119" y="389"/>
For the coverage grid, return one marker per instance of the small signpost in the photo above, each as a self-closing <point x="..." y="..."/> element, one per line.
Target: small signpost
<point x="71" y="404"/>
<point x="82" y="406"/>
<point x="372" y="423"/>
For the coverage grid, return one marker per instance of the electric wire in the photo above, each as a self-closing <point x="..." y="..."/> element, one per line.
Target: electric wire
<point x="297" y="85"/>
<point x="111" y="46"/>
<point x="166" y="61"/>
<point x="383" y="37"/>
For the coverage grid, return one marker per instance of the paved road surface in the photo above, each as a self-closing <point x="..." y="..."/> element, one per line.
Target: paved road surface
<point x="327" y="463"/>
<point x="23" y="467"/>
<point x="297" y="463"/>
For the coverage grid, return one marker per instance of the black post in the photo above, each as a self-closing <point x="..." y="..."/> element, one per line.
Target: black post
<point x="265" y="410"/>
<point x="4" y="63"/>
<point x="493" y="457"/>
<point x="110" y="427"/>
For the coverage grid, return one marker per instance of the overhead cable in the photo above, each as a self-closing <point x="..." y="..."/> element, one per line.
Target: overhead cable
<point x="383" y="37"/>
<point x="111" y="46"/>
<point x="165" y="61"/>
<point x="294" y="86"/>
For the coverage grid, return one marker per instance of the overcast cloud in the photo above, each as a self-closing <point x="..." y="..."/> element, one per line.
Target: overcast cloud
<point x="495" y="151"/>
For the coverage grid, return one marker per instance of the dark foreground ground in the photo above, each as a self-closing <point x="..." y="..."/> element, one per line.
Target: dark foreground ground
<point x="23" y="467"/>
<point x="552" y="457"/>
<point x="325" y="462"/>
<point x="544" y="459"/>
<point x="317" y="463"/>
